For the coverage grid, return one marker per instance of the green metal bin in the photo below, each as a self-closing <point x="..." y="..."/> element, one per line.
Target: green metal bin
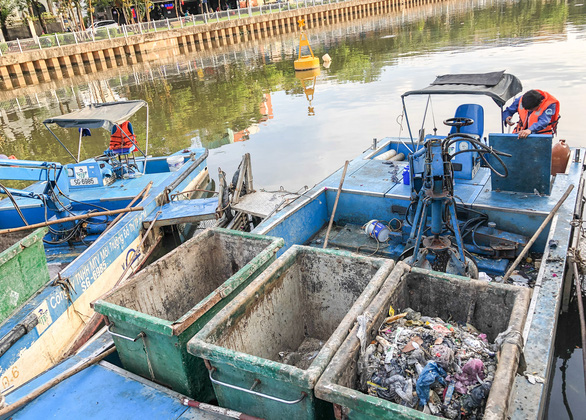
<point x="492" y="308"/>
<point x="155" y="313"/>
<point x="23" y="269"/>
<point x="307" y="295"/>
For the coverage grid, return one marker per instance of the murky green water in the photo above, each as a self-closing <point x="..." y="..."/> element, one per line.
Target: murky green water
<point x="247" y="99"/>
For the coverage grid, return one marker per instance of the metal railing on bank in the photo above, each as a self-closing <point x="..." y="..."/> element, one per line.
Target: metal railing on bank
<point x="100" y="34"/>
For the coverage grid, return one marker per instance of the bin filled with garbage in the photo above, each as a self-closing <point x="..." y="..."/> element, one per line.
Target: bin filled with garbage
<point x="155" y="313"/>
<point x="267" y="348"/>
<point x="430" y="344"/>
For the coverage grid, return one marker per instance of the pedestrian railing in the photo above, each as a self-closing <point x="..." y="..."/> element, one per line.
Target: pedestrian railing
<point x="101" y="34"/>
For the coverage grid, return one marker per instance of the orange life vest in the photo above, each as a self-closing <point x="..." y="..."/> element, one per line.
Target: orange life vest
<point x="122" y="140"/>
<point x="526" y="120"/>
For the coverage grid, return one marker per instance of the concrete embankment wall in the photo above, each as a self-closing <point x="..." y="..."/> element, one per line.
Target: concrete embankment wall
<point x="33" y="67"/>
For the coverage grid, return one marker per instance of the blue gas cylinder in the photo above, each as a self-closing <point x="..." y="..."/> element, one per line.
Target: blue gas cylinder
<point x="406" y="175"/>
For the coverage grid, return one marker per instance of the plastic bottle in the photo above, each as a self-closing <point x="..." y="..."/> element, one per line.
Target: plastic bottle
<point x="559" y="157"/>
<point x="406" y="175"/>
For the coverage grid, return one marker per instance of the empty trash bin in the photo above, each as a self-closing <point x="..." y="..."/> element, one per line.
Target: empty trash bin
<point x="155" y="313"/>
<point x="268" y="347"/>
<point x="491" y="308"/>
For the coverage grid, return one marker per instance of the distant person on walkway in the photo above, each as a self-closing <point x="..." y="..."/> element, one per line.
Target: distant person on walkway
<point x="539" y="113"/>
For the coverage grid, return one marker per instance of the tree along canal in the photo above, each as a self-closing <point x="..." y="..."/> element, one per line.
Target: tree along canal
<point x="246" y="98"/>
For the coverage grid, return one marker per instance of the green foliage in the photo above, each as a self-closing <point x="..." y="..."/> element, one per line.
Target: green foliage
<point x="7" y="7"/>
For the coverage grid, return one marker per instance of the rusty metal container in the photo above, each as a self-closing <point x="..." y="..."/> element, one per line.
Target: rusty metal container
<point x="257" y="346"/>
<point x="491" y="308"/>
<point x="155" y="313"/>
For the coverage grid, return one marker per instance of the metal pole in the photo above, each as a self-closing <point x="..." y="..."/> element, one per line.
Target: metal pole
<point x="19" y="47"/>
<point x="147" y="141"/>
<point x="108" y="32"/>
<point x="79" y="147"/>
<point x="168" y="25"/>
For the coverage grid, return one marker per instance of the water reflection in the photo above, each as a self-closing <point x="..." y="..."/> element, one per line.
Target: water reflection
<point x="216" y="99"/>
<point x="308" y="79"/>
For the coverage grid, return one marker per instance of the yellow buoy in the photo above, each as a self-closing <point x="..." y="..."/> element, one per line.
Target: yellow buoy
<point x="305" y="62"/>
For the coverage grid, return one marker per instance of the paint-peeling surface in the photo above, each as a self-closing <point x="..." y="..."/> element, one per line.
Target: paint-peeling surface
<point x="307" y="292"/>
<point x="88" y="277"/>
<point x="492" y="308"/>
<point x="169" y="301"/>
<point x="23" y="269"/>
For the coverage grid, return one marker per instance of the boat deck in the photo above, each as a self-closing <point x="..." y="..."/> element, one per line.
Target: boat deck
<point x="374" y="189"/>
<point x="103" y="391"/>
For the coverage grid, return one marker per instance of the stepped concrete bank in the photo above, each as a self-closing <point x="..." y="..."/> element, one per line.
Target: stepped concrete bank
<point x="33" y="67"/>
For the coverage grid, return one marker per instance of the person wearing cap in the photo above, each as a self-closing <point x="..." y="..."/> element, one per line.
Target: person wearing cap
<point x="539" y="113"/>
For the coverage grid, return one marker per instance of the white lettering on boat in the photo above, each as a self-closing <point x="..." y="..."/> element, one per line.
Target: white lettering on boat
<point x="100" y="261"/>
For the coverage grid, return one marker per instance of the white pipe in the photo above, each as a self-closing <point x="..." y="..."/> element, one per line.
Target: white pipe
<point x="79" y="147"/>
<point x="146" y="154"/>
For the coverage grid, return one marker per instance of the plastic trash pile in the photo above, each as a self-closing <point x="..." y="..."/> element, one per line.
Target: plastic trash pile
<point x="441" y="368"/>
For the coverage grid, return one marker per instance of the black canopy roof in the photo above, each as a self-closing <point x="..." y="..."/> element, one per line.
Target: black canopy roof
<point x="499" y="85"/>
<point x="104" y="115"/>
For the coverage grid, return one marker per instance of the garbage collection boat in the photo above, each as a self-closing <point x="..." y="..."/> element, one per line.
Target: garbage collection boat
<point x="456" y="215"/>
<point x="93" y="212"/>
<point x="449" y="213"/>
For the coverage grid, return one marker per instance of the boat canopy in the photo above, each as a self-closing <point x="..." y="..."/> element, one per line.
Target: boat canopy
<point x="500" y="86"/>
<point x="105" y="115"/>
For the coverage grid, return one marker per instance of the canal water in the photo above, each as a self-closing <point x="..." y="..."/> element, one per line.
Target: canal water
<point x="246" y="98"/>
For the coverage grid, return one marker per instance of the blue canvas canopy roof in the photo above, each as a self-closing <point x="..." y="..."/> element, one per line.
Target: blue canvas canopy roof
<point x="500" y="86"/>
<point x="105" y="115"/>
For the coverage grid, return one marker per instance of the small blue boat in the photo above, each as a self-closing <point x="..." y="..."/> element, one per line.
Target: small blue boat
<point x="96" y="251"/>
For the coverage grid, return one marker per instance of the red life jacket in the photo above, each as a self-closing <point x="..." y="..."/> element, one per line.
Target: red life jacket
<point x="122" y="140"/>
<point x="526" y="120"/>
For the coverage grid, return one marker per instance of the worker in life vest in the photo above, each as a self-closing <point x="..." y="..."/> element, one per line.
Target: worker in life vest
<point x="539" y="113"/>
<point x="123" y="137"/>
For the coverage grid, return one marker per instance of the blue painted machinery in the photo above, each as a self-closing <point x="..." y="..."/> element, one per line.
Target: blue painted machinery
<point x="54" y="181"/>
<point x="435" y="240"/>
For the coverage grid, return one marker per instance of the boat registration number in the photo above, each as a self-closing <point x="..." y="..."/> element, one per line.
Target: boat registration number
<point x="78" y="182"/>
